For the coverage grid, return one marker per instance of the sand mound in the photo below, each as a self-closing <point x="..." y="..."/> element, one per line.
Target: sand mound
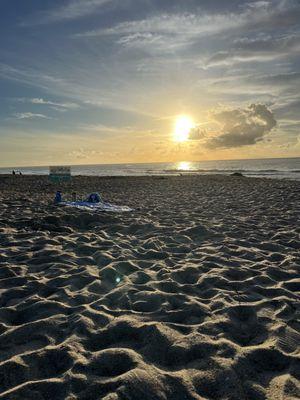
<point x="190" y="297"/>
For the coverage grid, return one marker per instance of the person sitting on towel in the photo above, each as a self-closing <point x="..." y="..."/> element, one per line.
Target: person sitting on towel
<point x="94" y="198"/>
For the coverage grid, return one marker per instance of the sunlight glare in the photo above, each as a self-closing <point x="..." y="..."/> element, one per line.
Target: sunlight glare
<point x="183" y="126"/>
<point x="184" y="166"/>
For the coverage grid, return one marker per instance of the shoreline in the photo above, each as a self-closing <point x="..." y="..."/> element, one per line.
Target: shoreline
<point x="161" y="176"/>
<point x="158" y="176"/>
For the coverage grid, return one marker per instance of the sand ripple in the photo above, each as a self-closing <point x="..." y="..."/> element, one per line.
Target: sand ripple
<point x="193" y="296"/>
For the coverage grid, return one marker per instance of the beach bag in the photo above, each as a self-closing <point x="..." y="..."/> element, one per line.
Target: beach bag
<point x="58" y="197"/>
<point x="94" y="198"/>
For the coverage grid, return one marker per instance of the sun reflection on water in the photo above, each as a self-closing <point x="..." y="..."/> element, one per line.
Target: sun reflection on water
<point x="183" y="166"/>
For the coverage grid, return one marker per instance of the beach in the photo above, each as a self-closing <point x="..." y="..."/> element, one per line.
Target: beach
<point x="192" y="295"/>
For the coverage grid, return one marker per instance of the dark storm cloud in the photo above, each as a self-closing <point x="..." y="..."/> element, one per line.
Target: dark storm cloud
<point x="242" y="127"/>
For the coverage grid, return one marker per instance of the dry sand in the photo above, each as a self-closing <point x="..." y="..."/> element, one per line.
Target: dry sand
<point x="207" y="306"/>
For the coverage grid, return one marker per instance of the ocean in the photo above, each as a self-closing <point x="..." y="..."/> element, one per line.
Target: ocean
<point x="280" y="168"/>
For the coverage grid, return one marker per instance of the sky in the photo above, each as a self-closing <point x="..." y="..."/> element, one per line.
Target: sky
<point x="104" y="81"/>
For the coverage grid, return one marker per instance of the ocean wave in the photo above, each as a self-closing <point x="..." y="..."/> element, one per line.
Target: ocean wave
<point x="274" y="173"/>
<point x="216" y="170"/>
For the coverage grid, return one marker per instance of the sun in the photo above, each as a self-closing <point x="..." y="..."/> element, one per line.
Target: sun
<point x="183" y="126"/>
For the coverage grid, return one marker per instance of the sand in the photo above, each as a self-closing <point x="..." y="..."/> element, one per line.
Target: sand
<point x="194" y="295"/>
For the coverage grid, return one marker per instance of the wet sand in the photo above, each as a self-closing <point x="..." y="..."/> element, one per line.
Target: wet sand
<point x="193" y="295"/>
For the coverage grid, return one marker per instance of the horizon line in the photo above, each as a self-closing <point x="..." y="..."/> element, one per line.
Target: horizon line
<point x="138" y="163"/>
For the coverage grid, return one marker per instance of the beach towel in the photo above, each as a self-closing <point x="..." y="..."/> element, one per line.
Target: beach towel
<point x="101" y="206"/>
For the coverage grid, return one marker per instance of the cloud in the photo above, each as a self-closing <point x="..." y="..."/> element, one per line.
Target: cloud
<point x="258" y="4"/>
<point x="183" y="26"/>
<point x="242" y="127"/>
<point x="71" y="10"/>
<point x="197" y="133"/>
<point x="288" y="109"/>
<point x="175" y="30"/>
<point x="255" y="84"/>
<point x="30" y="115"/>
<point x="51" y="103"/>
<point x="277" y="15"/>
<point x="34" y="77"/>
<point x="73" y="87"/>
<point x="82" y="154"/>
<point x="149" y="40"/>
<point x="259" y="49"/>
<point x="168" y="31"/>
<point x="283" y="79"/>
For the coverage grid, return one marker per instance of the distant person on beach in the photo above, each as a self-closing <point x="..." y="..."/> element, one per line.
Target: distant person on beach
<point x="14" y="172"/>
